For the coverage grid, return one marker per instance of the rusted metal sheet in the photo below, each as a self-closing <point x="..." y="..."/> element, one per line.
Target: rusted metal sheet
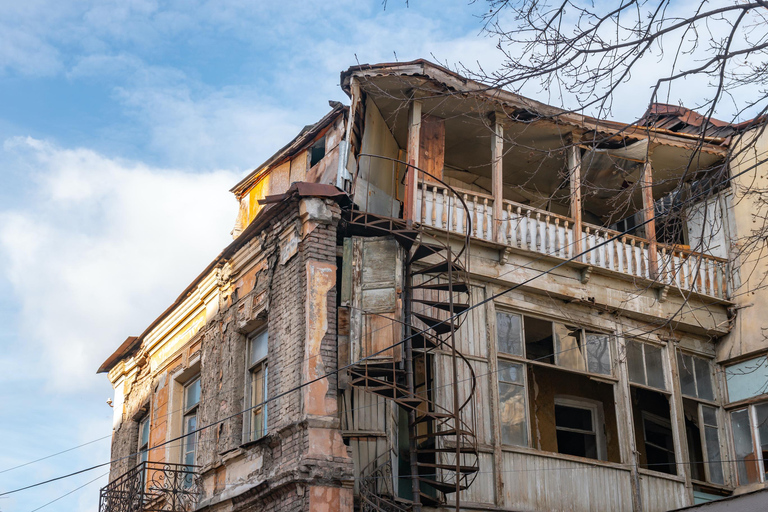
<point x="534" y="482"/>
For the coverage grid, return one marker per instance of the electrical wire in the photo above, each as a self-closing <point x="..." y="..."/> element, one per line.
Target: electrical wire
<point x="576" y="257"/>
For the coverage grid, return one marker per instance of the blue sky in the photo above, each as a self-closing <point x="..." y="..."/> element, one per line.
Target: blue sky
<point x="122" y="126"/>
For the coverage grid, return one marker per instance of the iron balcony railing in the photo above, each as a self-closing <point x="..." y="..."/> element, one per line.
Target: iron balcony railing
<point x="152" y="487"/>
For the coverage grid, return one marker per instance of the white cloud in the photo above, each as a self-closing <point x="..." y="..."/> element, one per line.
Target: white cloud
<point x="102" y="248"/>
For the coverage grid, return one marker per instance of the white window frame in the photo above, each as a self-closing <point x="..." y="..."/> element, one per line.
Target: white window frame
<point x="262" y="366"/>
<point x="598" y="420"/>
<point x="143" y="448"/>
<point x="756" y="444"/>
<point x="658" y="420"/>
<point x="188" y="412"/>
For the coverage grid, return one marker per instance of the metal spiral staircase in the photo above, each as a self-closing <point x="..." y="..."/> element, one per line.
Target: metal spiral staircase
<point x="433" y="381"/>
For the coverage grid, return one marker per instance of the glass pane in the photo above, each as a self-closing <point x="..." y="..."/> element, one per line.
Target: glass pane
<point x="746" y="460"/>
<point x="576" y="443"/>
<point x="599" y="353"/>
<point x="685" y="368"/>
<point x="257" y="386"/>
<point x="510" y="372"/>
<point x="538" y="340"/>
<point x="569" y="347"/>
<point x="654" y="367"/>
<point x="257" y="421"/>
<point x="144" y="432"/>
<point x="703" y="378"/>
<point x="635" y="362"/>
<point x="659" y="447"/>
<point x="192" y="394"/>
<point x="573" y="417"/>
<point x="747" y="379"/>
<point x="266" y="396"/>
<point x="710" y="415"/>
<point x="761" y="415"/>
<point x="509" y="334"/>
<point x="713" y="455"/>
<point x="512" y="411"/>
<point x="259" y="349"/>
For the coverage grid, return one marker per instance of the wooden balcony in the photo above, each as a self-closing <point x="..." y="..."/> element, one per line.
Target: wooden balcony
<point x="543" y="232"/>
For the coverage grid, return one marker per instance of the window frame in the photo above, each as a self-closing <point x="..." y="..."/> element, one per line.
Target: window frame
<point x="188" y="412"/>
<point x="143" y="447"/>
<point x="262" y="365"/>
<point x="663" y="422"/>
<point x="754" y="433"/>
<point x="611" y="379"/>
<point x="598" y="418"/>
<point x="700" y="404"/>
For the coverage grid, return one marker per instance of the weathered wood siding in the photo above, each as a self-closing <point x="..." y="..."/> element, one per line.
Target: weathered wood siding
<point x="532" y="482"/>
<point x="659" y="494"/>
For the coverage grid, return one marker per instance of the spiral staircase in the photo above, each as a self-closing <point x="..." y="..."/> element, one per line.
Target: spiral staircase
<point x="433" y="381"/>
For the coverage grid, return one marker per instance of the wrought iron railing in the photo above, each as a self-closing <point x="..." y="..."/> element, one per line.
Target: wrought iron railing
<point x="152" y="487"/>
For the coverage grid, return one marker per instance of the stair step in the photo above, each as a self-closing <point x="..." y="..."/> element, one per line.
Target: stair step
<point x="428" y="500"/>
<point x="439" y="268"/>
<point x="462" y="449"/>
<point x="447" y="488"/>
<point x="456" y="287"/>
<point x="424" y="250"/>
<point x="451" y="432"/>
<point x="376" y="372"/>
<point x="437" y="325"/>
<point x="458" y="307"/>
<point x="449" y="467"/>
<point x="423" y="340"/>
<point x="431" y="416"/>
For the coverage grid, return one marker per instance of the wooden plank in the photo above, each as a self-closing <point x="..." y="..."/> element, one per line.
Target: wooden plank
<point x="497" y="153"/>
<point x="411" y="183"/>
<point x="432" y="146"/>
<point x="574" y="172"/>
<point x="648" y="214"/>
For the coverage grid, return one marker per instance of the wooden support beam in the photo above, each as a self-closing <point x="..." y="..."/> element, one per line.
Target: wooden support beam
<point x="649" y="215"/>
<point x="497" y="154"/>
<point x="574" y="177"/>
<point x="412" y="178"/>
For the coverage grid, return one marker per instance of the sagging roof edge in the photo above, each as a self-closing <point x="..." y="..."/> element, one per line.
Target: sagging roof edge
<point x="276" y="204"/>
<point x="297" y="144"/>
<point x="429" y="70"/>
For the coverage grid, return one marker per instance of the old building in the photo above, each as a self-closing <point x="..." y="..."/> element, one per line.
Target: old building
<point x="448" y="296"/>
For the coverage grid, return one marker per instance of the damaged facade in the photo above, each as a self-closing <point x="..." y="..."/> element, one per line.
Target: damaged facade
<point x="445" y="296"/>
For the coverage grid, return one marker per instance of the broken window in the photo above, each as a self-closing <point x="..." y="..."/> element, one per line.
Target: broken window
<point x="571" y="413"/>
<point x="651" y="408"/>
<point x="701" y="423"/>
<point x="750" y="429"/>
<point x="317" y="151"/>
<point x="256" y="423"/>
<point x="578" y="425"/>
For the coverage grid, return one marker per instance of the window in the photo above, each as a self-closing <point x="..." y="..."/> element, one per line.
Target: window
<point x="747" y="379"/>
<point x="257" y="386"/>
<point x="189" y="442"/>
<point x="646" y="364"/>
<point x="651" y="408"/>
<point x="554" y="343"/>
<point x="750" y="429"/>
<point x="144" y="439"/>
<point x="577" y="424"/>
<point x="571" y="412"/>
<point x="659" y="443"/>
<point x="701" y="424"/>
<point x="317" y="152"/>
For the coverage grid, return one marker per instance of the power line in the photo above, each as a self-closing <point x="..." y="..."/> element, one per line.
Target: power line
<point x="348" y="366"/>
<point x="54" y="454"/>
<point x="70" y="492"/>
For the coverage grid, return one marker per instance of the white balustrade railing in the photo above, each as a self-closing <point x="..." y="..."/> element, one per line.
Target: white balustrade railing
<point x="535" y="230"/>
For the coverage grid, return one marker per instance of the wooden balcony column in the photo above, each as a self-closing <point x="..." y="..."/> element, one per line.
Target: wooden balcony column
<point x="497" y="188"/>
<point x="574" y="178"/>
<point x="649" y="216"/>
<point x="412" y="178"/>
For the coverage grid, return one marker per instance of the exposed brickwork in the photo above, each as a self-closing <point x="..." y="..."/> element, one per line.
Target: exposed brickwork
<point x="302" y="455"/>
